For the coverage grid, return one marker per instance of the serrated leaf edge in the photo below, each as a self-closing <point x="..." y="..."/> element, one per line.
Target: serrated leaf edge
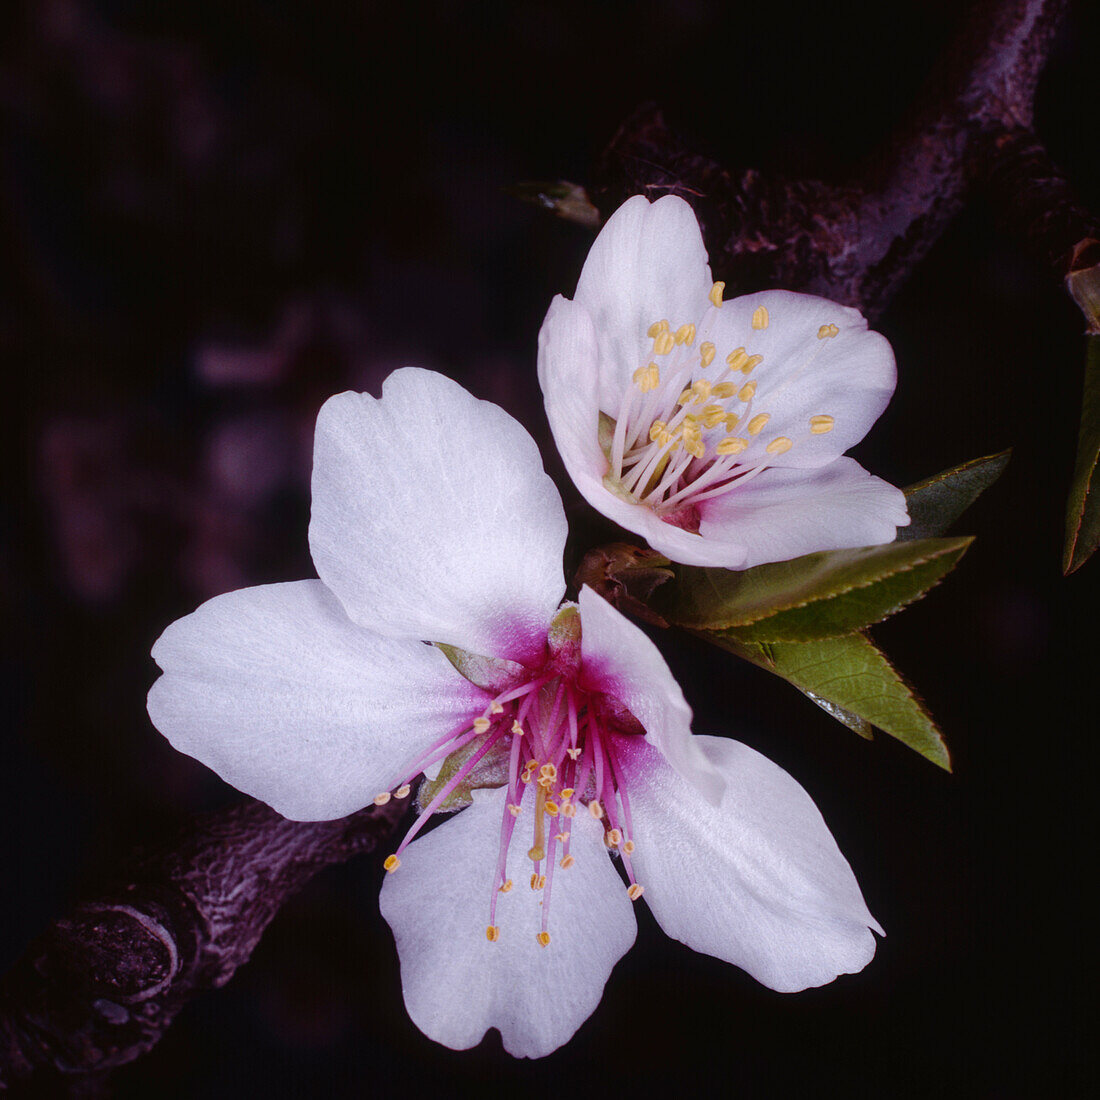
<point x="960" y="543"/>
<point x="844" y="633"/>
<point x="954" y="471"/>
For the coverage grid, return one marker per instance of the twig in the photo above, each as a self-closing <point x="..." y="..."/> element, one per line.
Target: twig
<point x="857" y="242"/>
<point x="100" y="987"/>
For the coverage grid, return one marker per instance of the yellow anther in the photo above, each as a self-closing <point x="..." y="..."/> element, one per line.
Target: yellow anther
<point x="525" y="777"/>
<point x="686" y="397"/>
<point x="538" y="882"/>
<point x="656" y="430"/>
<point x="827" y="331"/>
<point x="628" y="848"/>
<point x="750" y="363"/>
<point x="656" y="329"/>
<point x="495" y="708"/>
<point x="780" y="445"/>
<point x="713" y="415"/>
<point x="567" y="862"/>
<point x="551" y="809"/>
<point x="543" y="938"/>
<point x="614" y="838"/>
<point x="723" y="390"/>
<point x="569" y="810"/>
<point x="693" y="440"/>
<point x="492" y="933"/>
<point x="548" y="771"/>
<point x="746" y="392"/>
<point x="756" y="424"/>
<point x="513" y="809"/>
<point x="517" y="729"/>
<point x="382" y="799"/>
<point x="685" y="334"/>
<point x="664" y="343"/>
<point x="481" y="725"/>
<point x="573" y="753"/>
<point x="505" y="886"/>
<point x="647" y="378"/>
<point x="545" y="783"/>
<point x="402" y="791"/>
<point x="715" y="294"/>
<point x="760" y="318"/>
<point x="567" y="793"/>
<point x="531" y="765"/>
<point x="819" y="425"/>
<point x="736" y="358"/>
<point x="562" y="837"/>
<point x="635" y="891"/>
<point x="701" y="389"/>
<point x="535" y="854"/>
<point x="392" y="863"/>
<point x="595" y="809"/>
<point x="731" y="421"/>
<point x="706" y="353"/>
<point x="732" y="445"/>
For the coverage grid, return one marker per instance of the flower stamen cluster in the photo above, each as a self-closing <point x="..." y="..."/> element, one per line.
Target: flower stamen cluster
<point x="674" y="443"/>
<point x="562" y="743"/>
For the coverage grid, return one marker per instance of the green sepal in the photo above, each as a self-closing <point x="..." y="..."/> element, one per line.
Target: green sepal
<point x="822" y="595"/>
<point x="1083" y="505"/>
<point x="495" y="674"/>
<point x="936" y="502"/>
<point x="490" y="771"/>
<point x="852" y="680"/>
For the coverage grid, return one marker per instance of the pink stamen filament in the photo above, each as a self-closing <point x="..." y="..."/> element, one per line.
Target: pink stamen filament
<point x="562" y="717"/>
<point x="490" y="740"/>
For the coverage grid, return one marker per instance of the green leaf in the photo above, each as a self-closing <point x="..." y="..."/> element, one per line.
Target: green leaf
<point x="851" y="679"/>
<point x="490" y="771"/>
<point x="1083" y="505"/>
<point x="936" y="502"/>
<point x="817" y="596"/>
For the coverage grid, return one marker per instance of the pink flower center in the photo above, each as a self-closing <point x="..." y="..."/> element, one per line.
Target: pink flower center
<point x="561" y="738"/>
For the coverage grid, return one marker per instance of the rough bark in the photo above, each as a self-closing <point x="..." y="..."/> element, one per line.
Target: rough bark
<point x="854" y="242"/>
<point x="102" y="984"/>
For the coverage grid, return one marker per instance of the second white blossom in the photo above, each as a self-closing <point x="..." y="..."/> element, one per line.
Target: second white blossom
<point x="714" y="429"/>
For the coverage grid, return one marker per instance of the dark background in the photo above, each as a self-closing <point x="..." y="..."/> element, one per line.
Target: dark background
<point x="215" y="215"/>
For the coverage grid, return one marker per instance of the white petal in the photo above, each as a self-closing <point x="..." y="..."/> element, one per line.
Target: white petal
<point x="850" y="376"/>
<point x="783" y="514"/>
<point x="568" y="374"/>
<point x="289" y="701"/>
<point x="647" y="264"/>
<point x="757" y="881"/>
<point x="433" y="518"/>
<point x="456" y="983"/>
<point x="619" y="660"/>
